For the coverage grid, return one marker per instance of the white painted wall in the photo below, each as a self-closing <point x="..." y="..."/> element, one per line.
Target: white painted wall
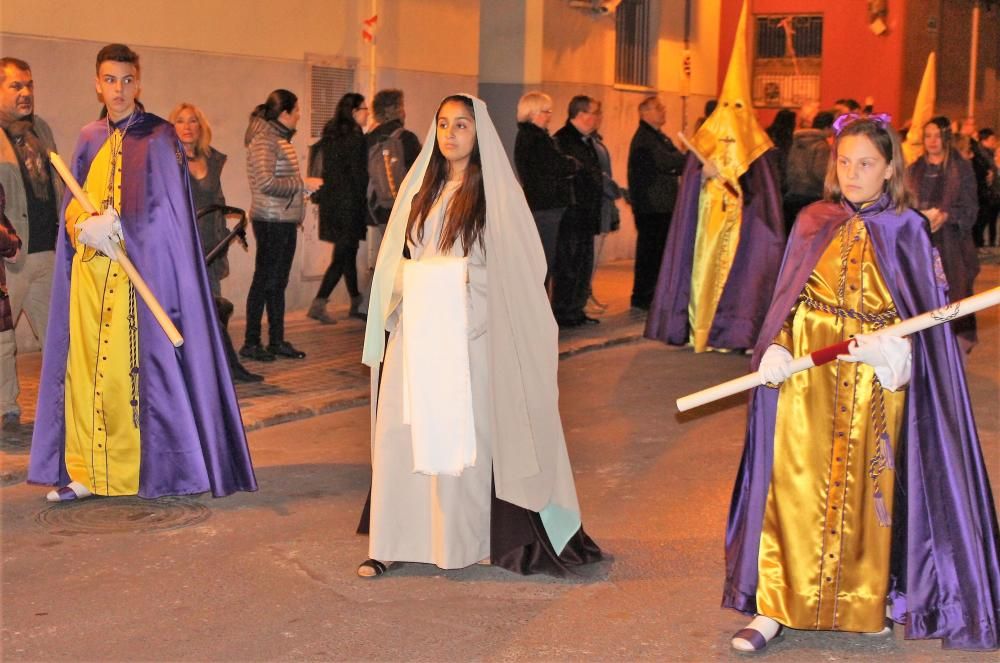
<point x="228" y="63"/>
<point x="226" y="55"/>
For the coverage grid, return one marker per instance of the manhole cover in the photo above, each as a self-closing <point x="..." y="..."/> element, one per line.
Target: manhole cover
<point x="104" y="515"/>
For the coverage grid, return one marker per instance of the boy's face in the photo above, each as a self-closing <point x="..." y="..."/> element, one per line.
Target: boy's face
<point x="118" y="85"/>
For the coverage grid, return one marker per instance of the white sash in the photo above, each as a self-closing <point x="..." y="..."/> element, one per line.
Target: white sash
<point x="437" y="383"/>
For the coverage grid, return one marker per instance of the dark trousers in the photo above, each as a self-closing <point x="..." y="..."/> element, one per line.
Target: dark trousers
<point x="651" y="237"/>
<point x="273" y="264"/>
<point x="547" y="222"/>
<point x="573" y="268"/>
<point x="344" y="263"/>
<point x="985" y="231"/>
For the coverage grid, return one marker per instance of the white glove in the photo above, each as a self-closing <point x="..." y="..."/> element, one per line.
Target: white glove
<point x="101" y="232"/>
<point x="889" y="355"/>
<point x="775" y="366"/>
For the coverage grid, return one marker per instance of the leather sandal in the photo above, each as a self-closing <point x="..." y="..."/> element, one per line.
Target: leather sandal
<point x="372" y="568"/>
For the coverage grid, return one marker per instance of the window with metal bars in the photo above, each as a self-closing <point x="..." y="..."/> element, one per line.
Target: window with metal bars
<point x="632" y="43"/>
<point x="789" y="36"/>
<point x="788" y="52"/>
<point x="326" y="86"/>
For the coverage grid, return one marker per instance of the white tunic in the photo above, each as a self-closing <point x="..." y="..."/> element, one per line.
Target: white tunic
<point x="442" y="520"/>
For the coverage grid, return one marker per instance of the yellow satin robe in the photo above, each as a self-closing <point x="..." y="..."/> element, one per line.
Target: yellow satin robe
<point x="824" y="557"/>
<point x="102" y="430"/>
<point x="717" y="237"/>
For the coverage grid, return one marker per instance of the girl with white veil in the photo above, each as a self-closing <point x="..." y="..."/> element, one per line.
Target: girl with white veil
<point x="469" y="461"/>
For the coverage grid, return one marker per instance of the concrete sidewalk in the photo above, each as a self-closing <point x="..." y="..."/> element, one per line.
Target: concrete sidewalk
<point x="332" y="377"/>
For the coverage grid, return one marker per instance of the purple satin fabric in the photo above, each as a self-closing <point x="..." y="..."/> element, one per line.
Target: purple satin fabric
<point x="748" y="289"/>
<point x="944" y="564"/>
<point x="191" y="432"/>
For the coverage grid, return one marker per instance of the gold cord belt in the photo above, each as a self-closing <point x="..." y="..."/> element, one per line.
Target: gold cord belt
<point x="876" y="319"/>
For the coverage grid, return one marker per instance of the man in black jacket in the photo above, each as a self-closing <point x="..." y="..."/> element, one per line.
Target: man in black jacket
<point x="654" y="165"/>
<point x="575" y="246"/>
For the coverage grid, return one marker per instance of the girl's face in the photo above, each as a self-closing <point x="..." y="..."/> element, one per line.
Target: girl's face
<point x="933" y="144"/>
<point x="861" y="169"/>
<point x="456" y="133"/>
<point x="187" y="127"/>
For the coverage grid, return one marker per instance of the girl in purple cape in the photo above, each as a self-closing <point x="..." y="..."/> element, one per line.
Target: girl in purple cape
<point x="862" y="498"/>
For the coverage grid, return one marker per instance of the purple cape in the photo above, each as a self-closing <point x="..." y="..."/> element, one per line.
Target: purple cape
<point x="748" y="289"/>
<point x="191" y="433"/>
<point x="944" y="570"/>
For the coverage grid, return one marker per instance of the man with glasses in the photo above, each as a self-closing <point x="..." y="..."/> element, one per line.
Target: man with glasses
<point x="575" y="245"/>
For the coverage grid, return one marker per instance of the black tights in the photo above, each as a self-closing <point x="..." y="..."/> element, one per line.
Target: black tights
<point x="344" y="263"/>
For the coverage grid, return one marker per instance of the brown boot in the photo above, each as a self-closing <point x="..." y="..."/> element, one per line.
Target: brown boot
<point x="317" y="311"/>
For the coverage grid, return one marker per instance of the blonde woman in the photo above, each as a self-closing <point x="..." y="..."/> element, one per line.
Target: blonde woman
<point x="205" y="172"/>
<point x="544" y="171"/>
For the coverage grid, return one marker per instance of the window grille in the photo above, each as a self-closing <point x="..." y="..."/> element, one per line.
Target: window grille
<point x="788" y="58"/>
<point x="632" y="43"/>
<point x="772" y="39"/>
<point x="326" y="86"/>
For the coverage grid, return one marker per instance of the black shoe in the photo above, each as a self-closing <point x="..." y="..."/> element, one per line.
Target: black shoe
<point x="241" y="374"/>
<point x="587" y="320"/>
<point x="565" y="323"/>
<point x="286" y="349"/>
<point x="256" y="352"/>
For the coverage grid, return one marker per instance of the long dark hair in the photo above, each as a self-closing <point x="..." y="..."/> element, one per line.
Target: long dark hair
<point x="886" y="141"/>
<point x="947" y="139"/>
<point x="343" y="123"/>
<point x="278" y="102"/>
<point x="465" y="216"/>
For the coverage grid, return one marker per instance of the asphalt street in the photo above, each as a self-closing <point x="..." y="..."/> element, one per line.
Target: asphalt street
<point x="271" y="575"/>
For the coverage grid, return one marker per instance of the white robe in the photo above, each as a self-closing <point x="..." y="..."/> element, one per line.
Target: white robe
<point x="442" y="520"/>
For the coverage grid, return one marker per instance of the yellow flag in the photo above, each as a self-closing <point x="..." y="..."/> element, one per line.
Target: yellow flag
<point x="923" y="111"/>
<point x="731" y="137"/>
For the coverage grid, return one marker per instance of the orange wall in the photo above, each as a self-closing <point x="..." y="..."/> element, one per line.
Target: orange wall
<point x="856" y="63"/>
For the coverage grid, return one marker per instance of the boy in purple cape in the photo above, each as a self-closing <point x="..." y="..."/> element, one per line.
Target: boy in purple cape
<point x="857" y="500"/>
<point x="120" y="410"/>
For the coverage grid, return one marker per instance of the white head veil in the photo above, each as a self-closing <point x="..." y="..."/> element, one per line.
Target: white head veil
<point x="530" y="465"/>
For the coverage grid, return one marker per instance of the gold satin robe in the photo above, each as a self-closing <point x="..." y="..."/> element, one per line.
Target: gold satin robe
<point x="102" y="427"/>
<point x="824" y="557"/>
<point x="720" y="217"/>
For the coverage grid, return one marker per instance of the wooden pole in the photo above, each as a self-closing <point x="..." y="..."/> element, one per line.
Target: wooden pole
<point x="133" y="275"/>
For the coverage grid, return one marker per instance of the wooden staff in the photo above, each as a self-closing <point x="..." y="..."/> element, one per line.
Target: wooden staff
<point x="730" y="187"/>
<point x="133" y="275"/>
<point x="952" y="311"/>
